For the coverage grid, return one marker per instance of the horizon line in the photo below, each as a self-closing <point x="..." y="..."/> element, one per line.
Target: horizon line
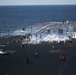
<point x="36" y="4"/>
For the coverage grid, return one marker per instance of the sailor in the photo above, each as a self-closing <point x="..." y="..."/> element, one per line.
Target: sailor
<point x="60" y="57"/>
<point x="22" y="45"/>
<point x="36" y="54"/>
<point x="64" y="58"/>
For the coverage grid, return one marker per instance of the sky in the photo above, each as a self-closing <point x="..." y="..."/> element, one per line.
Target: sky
<point x="37" y="2"/>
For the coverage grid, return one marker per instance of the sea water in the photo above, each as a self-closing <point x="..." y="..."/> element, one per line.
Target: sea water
<point x="15" y="17"/>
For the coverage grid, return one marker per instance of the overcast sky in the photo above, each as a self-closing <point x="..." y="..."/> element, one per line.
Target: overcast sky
<point x="36" y="2"/>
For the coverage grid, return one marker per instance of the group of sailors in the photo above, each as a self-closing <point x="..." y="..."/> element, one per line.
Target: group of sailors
<point x="62" y="57"/>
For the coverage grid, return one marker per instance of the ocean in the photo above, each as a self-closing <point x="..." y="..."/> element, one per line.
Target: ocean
<point x="15" y="17"/>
